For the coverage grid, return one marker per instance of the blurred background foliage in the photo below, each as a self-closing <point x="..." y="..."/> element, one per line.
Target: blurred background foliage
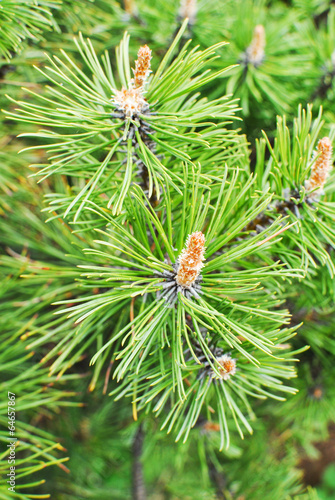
<point x="71" y="414"/>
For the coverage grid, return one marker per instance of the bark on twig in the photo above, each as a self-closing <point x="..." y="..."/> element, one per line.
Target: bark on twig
<point x="139" y="492"/>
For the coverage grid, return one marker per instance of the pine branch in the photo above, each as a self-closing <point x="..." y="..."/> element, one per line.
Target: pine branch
<point x="91" y="150"/>
<point x="296" y="174"/>
<point x="24" y="19"/>
<point x="264" y="45"/>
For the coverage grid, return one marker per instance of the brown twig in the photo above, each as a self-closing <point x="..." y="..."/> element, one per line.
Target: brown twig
<point x="139" y="492"/>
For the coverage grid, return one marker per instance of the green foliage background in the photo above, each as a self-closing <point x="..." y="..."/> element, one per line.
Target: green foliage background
<point x="89" y="346"/>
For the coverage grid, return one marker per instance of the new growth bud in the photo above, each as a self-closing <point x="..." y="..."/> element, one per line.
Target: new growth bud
<point x="188" y="9"/>
<point x="131" y="101"/>
<point x="255" y="52"/>
<point x="142" y="67"/>
<point x="228" y="366"/>
<point x="129" y="7"/>
<point x="190" y="260"/>
<point x="321" y="168"/>
<point x="185" y="277"/>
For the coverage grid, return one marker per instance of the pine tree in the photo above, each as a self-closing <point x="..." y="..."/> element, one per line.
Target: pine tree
<point x="167" y="266"/>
